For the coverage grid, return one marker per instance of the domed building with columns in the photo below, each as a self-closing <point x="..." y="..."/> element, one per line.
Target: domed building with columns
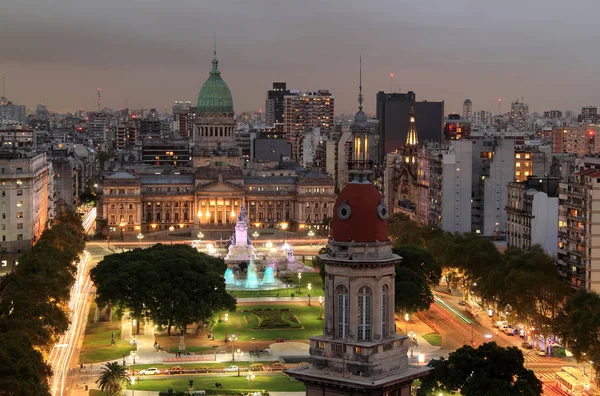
<point x="209" y="195"/>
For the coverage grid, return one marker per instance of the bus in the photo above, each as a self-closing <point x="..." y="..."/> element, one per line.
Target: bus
<point x="572" y="381"/>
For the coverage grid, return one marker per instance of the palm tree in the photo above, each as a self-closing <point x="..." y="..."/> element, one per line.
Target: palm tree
<point x="113" y="379"/>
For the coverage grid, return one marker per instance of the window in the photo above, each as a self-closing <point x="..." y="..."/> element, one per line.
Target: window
<point x="19" y="226"/>
<point x="384" y="310"/>
<point x="113" y="219"/>
<point x="130" y="219"/>
<point x="19" y="204"/>
<point x="19" y="237"/>
<point x="19" y="215"/>
<point x="320" y="345"/>
<point x="364" y="313"/>
<point x="19" y="193"/>
<point x="4" y="262"/>
<point x="358" y="350"/>
<point x="4" y="193"/>
<point x="343" y="311"/>
<point x="130" y="206"/>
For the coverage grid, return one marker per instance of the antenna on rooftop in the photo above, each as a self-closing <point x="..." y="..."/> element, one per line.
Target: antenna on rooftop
<point x="99" y="100"/>
<point x="4" y="84"/>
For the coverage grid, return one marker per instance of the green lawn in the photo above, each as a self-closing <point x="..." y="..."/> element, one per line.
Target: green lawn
<point x="433" y="338"/>
<point x="190" y="348"/>
<point x="96" y="392"/>
<point x="231" y="384"/>
<point x="245" y="324"/>
<point x="210" y="364"/>
<point x="96" y="344"/>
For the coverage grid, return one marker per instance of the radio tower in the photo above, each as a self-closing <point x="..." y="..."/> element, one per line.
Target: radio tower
<point x="99" y="100"/>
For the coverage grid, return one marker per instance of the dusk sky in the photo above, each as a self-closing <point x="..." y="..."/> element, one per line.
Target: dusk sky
<point x="150" y="53"/>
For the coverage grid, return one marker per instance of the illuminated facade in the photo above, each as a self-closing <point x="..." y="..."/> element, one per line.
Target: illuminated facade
<point x="26" y="203"/>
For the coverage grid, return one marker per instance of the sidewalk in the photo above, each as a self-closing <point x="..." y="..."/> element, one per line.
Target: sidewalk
<point x="420" y="328"/>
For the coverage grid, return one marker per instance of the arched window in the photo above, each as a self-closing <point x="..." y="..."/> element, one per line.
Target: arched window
<point x="343" y="311"/>
<point x="384" y="310"/>
<point x="364" y="313"/>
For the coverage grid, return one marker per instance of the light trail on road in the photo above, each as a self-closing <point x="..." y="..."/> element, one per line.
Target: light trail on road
<point x="62" y="353"/>
<point x="89" y="221"/>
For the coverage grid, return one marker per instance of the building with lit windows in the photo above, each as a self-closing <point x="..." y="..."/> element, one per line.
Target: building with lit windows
<point x="578" y="241"/>
<point x="26" y="203"/>
<point x="523" y="165"/>
<point x="208" y="192"/>
<point x="468" y="110"/>
<point x="304" y="111"/>
<point x="578" y="140"/>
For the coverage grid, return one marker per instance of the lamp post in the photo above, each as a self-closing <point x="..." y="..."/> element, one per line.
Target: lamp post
<point x="133" y="374"/>
<point x="226" y="320"/>
<point x="309" y="287"/>
<point x="406" y="318"/>
<point x="320" y="308"/>
<point x="140" y="237"/>
<point x="311" y="234"/>
<point x="412" y="342"/>
<point x="233" y="339"/>
<point x="299" y="278"/>
<point x="122" y="226"/>
<point x="250" y="378"/>
<point x="284" y="227"/>
<point x="255" y="235"/>
<point x="171" y="229"/>
<point x="238" y="353"/>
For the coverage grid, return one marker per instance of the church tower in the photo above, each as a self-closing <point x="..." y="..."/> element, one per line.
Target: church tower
<point x="361" y="134"/>
<point x="359" y="352"/>
<point x="412" y="144"/>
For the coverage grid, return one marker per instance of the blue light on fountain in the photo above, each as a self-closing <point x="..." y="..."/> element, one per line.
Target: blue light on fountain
<point x="268" y="278"/>
<point x="251" y="280"/>
<point x="229" y="277"/>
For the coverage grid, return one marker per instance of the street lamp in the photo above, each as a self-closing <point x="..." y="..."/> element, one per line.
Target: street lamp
<point x="255" y="235"/>
<point x="412" y="342"/>
<point x="140" y="237"/>
<point x="238" y="354"/>
<point x="233" y="339"/>
<point x="311" y="234"/>
<point x="320" y="308"/>
<point x="250" y="378"/>
<point x="309" y="287"/>
<point x="171" y="229"/>
<point x="299" y="278"/>
<point x="122" y="226"/>
<point x="406" y="318"/>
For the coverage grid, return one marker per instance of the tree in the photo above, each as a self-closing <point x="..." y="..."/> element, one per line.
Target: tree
<point x="170" y="284"/>
<point x="489" y="370"/>
<point x="22" y="368"/>
<point x="113" y="379"/>
<point x="412" y="291"/>
<point x="420" y="261"/>
<point x="578" y="325"/>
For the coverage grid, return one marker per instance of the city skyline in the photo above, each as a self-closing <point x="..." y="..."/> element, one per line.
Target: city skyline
<point x="152" y="55"/>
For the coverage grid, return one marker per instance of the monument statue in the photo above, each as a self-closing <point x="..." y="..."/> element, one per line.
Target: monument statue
<point x="241" y="248"/>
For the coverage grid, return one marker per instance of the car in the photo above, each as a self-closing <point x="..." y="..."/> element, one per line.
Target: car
<point x="150" y="371"/>
<point x="279" y="339"/>
<point x="540" y="352"/>
<point x="176" y="370"/>
<point x="256" y="367"/>
<point x="202" y="369"/>
<point x="462" y="302"/>
<point x="499" y="323"/>
<point x="231" y="369"/>
<point x="526" y="345"/>
<point x="277" y="366"/>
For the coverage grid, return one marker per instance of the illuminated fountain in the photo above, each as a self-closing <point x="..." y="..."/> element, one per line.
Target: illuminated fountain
<point x="268" y="277"/>
<point x="251" y="279"/>
<point x="229" y="277"/>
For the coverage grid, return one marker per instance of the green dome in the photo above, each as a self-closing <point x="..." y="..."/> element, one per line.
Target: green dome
<point x="215" y="96"/>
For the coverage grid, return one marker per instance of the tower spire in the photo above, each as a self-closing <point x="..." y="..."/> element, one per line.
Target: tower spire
<point x="412" y="137"/>
<point x="215" y="62"/>
<point x="360" y="95"/>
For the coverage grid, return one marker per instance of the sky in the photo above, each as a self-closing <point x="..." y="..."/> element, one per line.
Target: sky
<point x="150" y="53"/>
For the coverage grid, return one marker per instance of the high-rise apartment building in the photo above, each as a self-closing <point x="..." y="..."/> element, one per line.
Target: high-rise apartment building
<point x="26" y="203"/>
<point x="12" y="115"/>
<point x="467" y="110"/>
<point x="304" y="111"/>
<point x="519" y="112"/>
<point x="160" y="152"/>
<point x="274" y="106"/>
<point x="578" y="223"/>
<point x="456" y="128"/>
<point x="579" y="140"/>
<point x="588" y="114"/>
<point x="532" y="213"/>
<point x="554" y="114"/>
<point x="126" y="134"/>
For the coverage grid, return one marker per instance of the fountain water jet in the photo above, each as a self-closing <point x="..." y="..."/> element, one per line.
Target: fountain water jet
<point x="229" y="277"/>
<point x="251" y="280"/>
<point x="268" y="278"/>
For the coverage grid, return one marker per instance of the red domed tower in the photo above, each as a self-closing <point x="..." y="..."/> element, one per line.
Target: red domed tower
<point x="359" y="352"/>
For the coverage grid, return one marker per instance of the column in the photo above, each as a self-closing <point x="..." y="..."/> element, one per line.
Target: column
<point x="376" y="311"/>
<point x="353" y="300"/>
